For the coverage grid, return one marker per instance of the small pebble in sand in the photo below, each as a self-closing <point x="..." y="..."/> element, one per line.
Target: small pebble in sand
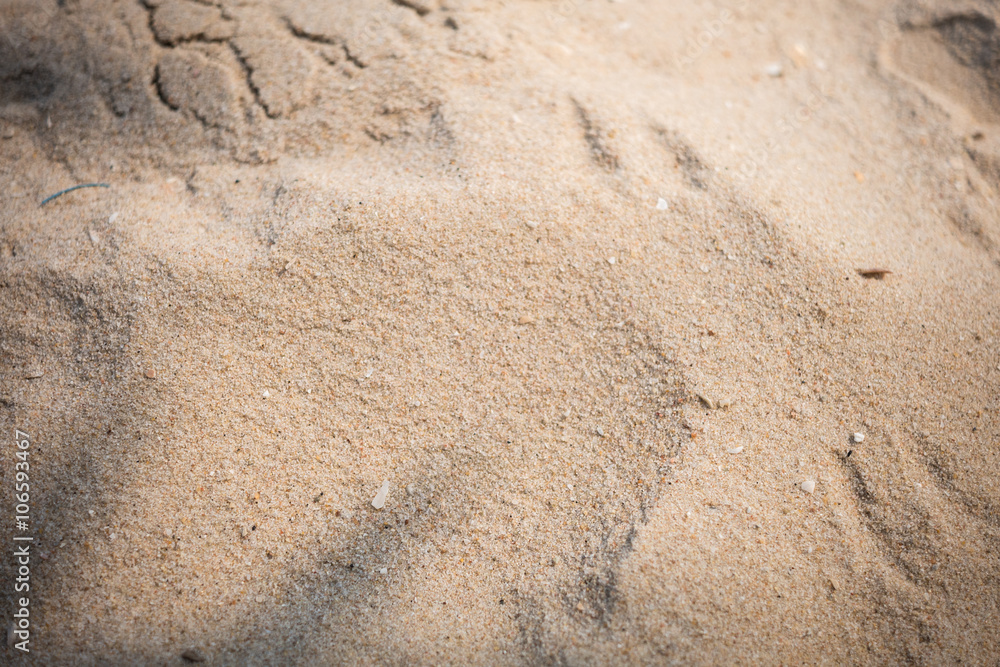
<point x="774" y="70"/>
<point x="736" y="450"/>
<point x="858" y="437"/>
<point x="531" y="224"/>
<point x="34" y="374"/>
<point x="384" y="570"/>
<point x="661" y="204"/>
<point x="526" y="319"/>
<point x="193" y="655"/>
<point x="600" y="431"/>
<point x="808" y="486"/>
<point x="612" y="260"/>
<point x="266" y="394"/>
<point x="410" y="489"/>
<point x="150" y="373"/>
<point x="379" y="501"/>
<point x="94" y="237"/>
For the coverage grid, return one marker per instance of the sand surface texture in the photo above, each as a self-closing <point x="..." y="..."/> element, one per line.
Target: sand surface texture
<point x="581" y="280"/>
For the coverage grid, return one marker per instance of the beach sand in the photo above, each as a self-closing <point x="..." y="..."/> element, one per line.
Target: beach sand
<point x="603" y="290"/>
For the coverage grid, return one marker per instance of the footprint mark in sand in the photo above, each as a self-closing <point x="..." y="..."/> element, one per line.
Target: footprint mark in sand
<point x="951" y="53"/>
<point x="953" y="56"/>
<point x="972" y="228"/>
<point x="597" y="139"/>
<point x="942" y="467"/>
<point x="900" y="526"/>
<point x="695" y="173"/>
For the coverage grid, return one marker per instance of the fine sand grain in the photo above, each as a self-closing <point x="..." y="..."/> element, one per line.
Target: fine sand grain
<point x="528" y="332"/>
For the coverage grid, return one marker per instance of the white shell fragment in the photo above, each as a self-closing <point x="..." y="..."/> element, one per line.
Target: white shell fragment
<point x="714" y="403"/>
<point x="661" y="204"/>
<point x="266" y="394"/>
<point x="808" y="486"/>
<point x="774" y="70"/>
<point x="858" y="437"/>
<point x="735" y="450"/>
<point x="384" y="570"/>
<point x="379" y="501"/>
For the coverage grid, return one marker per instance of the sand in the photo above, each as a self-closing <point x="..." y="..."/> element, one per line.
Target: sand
<point x="581" y="281"/>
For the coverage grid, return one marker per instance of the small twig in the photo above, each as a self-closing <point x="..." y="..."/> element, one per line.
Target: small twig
<point x="75" y="187"/>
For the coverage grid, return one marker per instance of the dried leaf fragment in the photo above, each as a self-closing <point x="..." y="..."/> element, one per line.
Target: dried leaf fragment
<point x="876" y="273"/>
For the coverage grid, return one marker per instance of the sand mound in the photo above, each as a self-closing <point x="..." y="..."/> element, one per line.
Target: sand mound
<point x="602" y="290"/>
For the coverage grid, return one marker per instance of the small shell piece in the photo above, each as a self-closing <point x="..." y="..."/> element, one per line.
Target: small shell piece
<point x="808" y="486"/>
<point x="379" y="501"/>
<point x="858" y="437"/>
<point x="736" y="450"/>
